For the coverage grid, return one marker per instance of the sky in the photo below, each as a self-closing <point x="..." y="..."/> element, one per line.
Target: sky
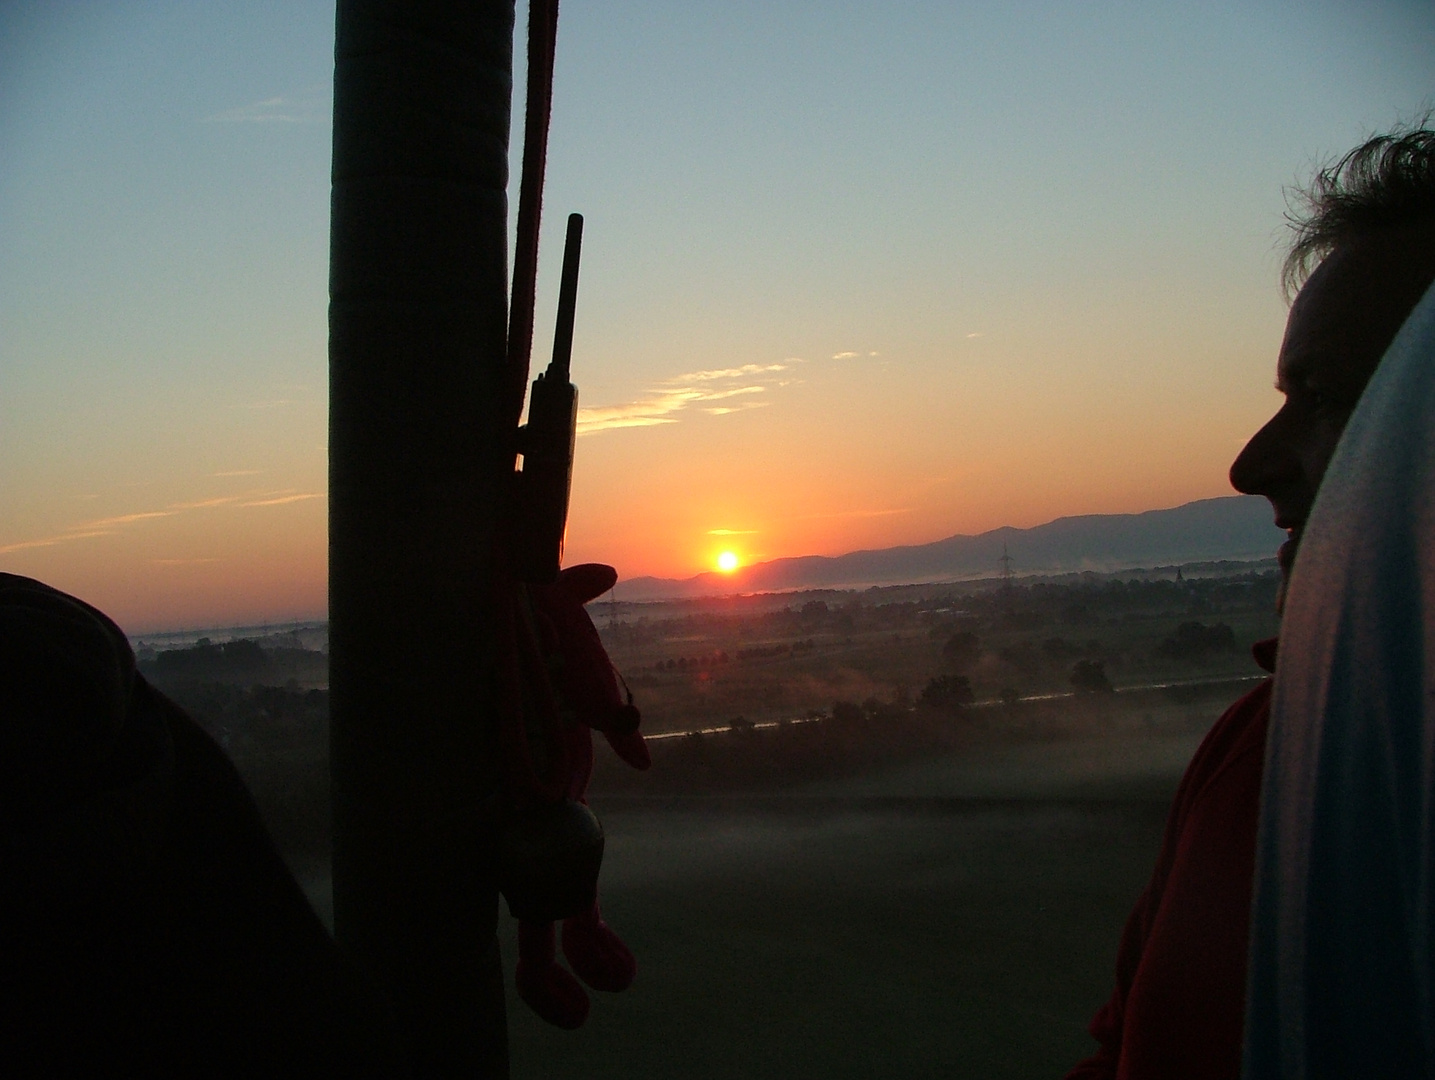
<point x="854" y="274"/>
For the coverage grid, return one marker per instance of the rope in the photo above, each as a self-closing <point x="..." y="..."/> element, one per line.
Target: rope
<point x="542" y="37"/>
<point x="529" y="732"/>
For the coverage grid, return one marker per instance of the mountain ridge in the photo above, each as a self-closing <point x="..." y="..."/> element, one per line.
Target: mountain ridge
<point x="1234" y="527"/>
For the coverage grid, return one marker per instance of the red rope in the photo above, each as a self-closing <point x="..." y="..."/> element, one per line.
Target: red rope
<point x="542" y="36"/>
<point x="527" y="714"/>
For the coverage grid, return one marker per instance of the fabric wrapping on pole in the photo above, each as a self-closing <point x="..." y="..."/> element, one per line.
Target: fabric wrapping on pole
<point x="418" y="374"/>
<point x="1341" y="962"/>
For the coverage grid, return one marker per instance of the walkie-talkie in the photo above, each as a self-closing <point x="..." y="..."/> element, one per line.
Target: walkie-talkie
<point x="546" y="441"/>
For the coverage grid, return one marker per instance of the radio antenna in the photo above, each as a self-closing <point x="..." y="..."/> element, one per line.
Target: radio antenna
<point x="567" y="301"/>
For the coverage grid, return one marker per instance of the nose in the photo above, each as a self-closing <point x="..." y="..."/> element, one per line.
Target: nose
<point x="1266" y="463"/>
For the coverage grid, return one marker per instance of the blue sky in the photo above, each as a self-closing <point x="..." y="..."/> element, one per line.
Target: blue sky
<point x="854" y="274"/>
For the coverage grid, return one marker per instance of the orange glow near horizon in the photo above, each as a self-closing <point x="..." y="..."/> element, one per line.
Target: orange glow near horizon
<point x="981" y="448"/>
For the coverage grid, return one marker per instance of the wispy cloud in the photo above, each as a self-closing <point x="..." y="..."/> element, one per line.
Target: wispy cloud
<point x="739" y="372"/>
<point x="736" y="393"/>
<point x="976" y="334"/>
<point x="238" y="472"/>
<point x="723" y="410"/>
<point x="51" y="541"/>
<point x="844" y="355"/>
<point x="313" y="105"/>
<point x="281" y="500"/>
<point x="202" y="504"/>
<point x="107" y="526"/>
<point x="125" y="519"/>
<point x="853" y="514"/>
<point x="732" y="532"/>
<point x="663" y="403"/>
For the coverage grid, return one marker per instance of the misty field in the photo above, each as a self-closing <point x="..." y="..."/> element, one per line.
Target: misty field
<point x="955" y="916"/>
<point x="905" y="846"/>
<point x="863" y="933"/>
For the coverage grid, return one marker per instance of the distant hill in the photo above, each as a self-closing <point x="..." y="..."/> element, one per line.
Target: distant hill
<point x="1236" y="527"/>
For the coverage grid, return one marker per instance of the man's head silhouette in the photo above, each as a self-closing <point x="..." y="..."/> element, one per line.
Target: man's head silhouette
<point x="1368" y="223"/>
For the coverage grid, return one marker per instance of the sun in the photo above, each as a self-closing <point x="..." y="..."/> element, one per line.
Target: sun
<point x="727" y="562"/>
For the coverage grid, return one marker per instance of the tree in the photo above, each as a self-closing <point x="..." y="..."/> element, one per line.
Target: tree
<point x="962" y="650"/>
<point x="948" y="692"/>
<point x="1059" y="648"/>
<point x="1197" y="641"/>
<point x="1089" y="677"/>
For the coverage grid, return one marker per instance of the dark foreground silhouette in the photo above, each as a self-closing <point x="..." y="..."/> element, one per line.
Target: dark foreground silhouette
<point x="147" y="924"/>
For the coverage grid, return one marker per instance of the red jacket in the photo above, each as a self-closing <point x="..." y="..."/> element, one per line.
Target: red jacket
<point x="1179" y="1004"/>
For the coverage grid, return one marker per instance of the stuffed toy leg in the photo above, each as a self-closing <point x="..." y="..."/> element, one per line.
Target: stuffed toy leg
<point x="596" y="955"/>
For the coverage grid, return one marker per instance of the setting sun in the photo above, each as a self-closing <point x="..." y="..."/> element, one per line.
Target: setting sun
<point x="727" y="562"/>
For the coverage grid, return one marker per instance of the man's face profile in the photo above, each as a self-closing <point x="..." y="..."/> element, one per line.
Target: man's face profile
<point x="1340" y="325"/>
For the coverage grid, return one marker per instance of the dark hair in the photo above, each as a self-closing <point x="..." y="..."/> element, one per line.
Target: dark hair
<point x="1386" y="180"/>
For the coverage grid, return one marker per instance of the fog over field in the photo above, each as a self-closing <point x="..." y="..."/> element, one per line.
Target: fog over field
<point x="905" y="844"/>
<point x="953" y="917"/>
<point x="936" y="941"/>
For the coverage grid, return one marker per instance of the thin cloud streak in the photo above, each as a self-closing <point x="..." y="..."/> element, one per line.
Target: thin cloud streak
<point x="310" y="106"/>
<point x="723" y="410"/>
<point x="852" y="514"/>
<point x="125" y="519"/>
<point x="203" y="504"/>
<point x="285" y="499"/>
<point x="51" y="541"/>
<point x="684" y="392"/>
<point x="735" y="393"/>
<point x="737" y="372"/>
<point x="107" y="526"/>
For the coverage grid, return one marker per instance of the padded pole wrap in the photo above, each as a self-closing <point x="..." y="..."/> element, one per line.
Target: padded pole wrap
<point x="417" y="330"/>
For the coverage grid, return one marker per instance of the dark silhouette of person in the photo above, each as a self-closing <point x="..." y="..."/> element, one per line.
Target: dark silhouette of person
<point x="1367" y="226"/>
<point x="148" y="926"/>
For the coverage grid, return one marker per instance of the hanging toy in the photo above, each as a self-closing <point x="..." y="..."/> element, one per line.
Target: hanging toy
<point x="559" y="687"/>
<point x="588" y="700"/>
<point x="555" y="682"/>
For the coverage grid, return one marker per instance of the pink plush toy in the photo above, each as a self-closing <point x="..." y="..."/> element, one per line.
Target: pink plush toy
<point x="588" y="700"/>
